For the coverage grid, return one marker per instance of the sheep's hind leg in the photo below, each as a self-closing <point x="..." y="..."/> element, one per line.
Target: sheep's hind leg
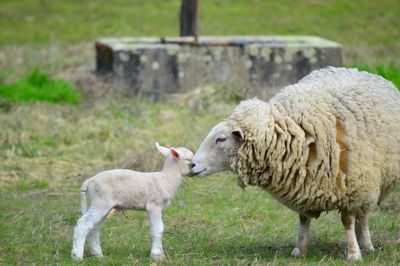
<point x="157" y="228"/>
<point x="303" y="236"/>
<point x="353" y="250"/>
<point x="363" y="234"/>
<point x="84" y="225"/>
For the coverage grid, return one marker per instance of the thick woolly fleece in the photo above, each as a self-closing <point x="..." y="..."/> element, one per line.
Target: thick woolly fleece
<point x="331" y="141"/>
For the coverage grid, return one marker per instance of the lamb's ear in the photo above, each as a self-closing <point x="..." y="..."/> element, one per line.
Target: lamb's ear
<point x="175" y="153"/>
<point x="238" y="133"/>
<point x="164" y="151"/>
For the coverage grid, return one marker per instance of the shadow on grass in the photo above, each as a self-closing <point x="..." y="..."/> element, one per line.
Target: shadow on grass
<point x="267" y="251"/>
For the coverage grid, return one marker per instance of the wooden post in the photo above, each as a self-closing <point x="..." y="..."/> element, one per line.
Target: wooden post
<point x="189" y="19"/>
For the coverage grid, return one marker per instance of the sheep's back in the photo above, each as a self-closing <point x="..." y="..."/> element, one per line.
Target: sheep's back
<point x="354" y="118"/>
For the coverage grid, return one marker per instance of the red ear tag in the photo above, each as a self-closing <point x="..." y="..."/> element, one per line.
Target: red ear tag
<point x="174" y="153"/>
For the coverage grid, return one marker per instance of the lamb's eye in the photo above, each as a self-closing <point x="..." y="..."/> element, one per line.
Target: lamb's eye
<point x="220" y="140"/>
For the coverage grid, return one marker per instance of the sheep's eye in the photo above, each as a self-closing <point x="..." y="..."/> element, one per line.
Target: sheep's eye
<point x="220" y="140"/>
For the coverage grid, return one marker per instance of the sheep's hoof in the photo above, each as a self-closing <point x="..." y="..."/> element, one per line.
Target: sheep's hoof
<point x="369" y="248"/>
<point x="355" y="256"/>
<point x="297" y="252"/>
<point x="157" y="256"/>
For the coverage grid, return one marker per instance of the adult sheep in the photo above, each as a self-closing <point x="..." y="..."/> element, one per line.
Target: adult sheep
<point x="329" y="142"/>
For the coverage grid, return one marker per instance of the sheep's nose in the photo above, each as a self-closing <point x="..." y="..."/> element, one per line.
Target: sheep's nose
<point x="192" y="165"/>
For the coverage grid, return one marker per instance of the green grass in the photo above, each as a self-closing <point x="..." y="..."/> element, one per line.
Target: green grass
<point x="352" y="22"/>
<point x="47" y="150"/>
<point x="368" y="30"/>
<point x="389" y="72"/>
<point x="39" y="87"/>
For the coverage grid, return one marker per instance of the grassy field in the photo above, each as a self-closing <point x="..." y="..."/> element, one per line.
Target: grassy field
<point x="47" y="150"/>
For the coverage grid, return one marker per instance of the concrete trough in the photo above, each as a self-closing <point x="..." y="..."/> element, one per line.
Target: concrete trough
<point x="257" y="65"/>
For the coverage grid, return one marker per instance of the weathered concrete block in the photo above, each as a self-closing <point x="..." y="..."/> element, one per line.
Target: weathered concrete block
<point x="259" y="65"/>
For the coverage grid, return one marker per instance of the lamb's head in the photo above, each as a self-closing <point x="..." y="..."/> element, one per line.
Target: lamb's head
<point x="182" y="156"/>
<point x="216" y="150"/>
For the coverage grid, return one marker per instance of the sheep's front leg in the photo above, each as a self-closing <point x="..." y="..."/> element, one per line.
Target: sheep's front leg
<point x="353" y="250"/>
<point x="303" y="236"/>
<point x="362" y="232"/>
<point x="157" y="228"/>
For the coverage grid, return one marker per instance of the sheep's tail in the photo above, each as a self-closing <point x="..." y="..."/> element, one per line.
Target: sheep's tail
<point x="84" y="189"/>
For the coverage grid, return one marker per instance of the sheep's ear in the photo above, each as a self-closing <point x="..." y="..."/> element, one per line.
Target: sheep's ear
<point x="238" y="133"/>
<point x="174" y="153"/>
<point x="164" y="151"/>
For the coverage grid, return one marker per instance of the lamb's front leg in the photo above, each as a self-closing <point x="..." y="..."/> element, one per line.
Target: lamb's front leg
<point x="157" y="228"/>
<point x="303" y="236"/>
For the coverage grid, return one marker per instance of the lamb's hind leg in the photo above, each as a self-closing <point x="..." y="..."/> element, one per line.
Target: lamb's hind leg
<point x="363" y="234"/>
<point x="84" y="225"/>
<point x="353" y="250"/>
<point x="303" y="236"/>
<point x="94" y="239"/>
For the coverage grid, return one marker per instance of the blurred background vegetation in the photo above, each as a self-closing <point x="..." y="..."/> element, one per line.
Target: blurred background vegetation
<point x="369" y="30"/>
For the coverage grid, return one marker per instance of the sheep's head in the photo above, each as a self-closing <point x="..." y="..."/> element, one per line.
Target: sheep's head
<point x="247" y="126"/>
<point x="216" y="150"/>
<point x="181" y="155"/>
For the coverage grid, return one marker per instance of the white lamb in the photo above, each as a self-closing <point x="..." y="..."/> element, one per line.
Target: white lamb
<point x="123" y="189"/>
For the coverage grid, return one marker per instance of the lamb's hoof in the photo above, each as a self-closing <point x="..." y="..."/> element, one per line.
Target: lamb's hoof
<point x="76" y="257"/>
<point x="355" y="256"/>
<point x="98" y="255"/>
<point x="297" y="252"/>
<point x="157" y="256"/>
